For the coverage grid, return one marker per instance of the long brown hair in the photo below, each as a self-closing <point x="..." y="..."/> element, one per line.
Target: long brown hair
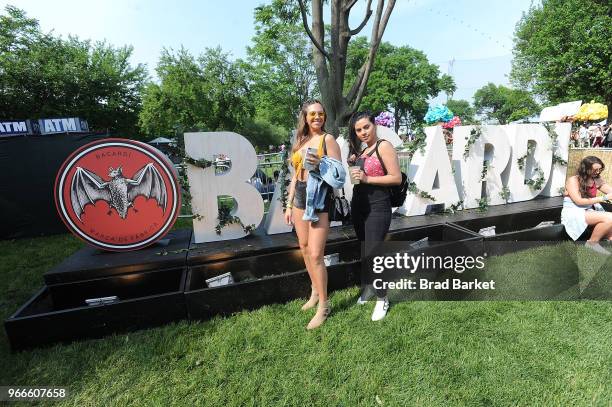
<point x="585" y="171"/>
<point x="302" y="128"/>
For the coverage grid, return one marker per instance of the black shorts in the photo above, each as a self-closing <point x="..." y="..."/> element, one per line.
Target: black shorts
<point x="299" y="198"/>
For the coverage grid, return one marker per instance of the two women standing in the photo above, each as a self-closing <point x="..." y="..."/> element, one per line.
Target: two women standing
<point x="371" y="207"/>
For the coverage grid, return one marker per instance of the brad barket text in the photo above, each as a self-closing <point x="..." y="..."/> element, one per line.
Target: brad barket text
<point x="425" y="284"/>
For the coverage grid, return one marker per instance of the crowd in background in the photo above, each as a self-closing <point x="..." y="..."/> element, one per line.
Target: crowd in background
<point x="596" y="135"/>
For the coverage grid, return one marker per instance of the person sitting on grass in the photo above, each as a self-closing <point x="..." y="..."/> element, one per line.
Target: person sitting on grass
<point x="581" y="205"/>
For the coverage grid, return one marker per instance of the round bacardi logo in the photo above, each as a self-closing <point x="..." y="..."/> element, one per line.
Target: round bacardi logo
<point x="117" y="194"/>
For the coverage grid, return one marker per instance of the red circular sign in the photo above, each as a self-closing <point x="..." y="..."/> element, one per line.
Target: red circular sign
<point x="117" y="194"/>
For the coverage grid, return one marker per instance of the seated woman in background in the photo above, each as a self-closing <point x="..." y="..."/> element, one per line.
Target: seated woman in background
<point x="581" y="205"/>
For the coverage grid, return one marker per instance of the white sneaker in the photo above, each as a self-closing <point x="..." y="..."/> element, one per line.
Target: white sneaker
<point x="380" y="309"/>
<point x="595" y="246"/>
<point x="366" y="294"/>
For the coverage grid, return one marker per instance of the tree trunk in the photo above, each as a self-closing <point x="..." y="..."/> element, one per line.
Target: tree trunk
<point x="330" y="64"/>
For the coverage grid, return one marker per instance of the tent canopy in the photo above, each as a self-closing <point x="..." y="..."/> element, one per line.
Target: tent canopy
<point x="161" y="140"/>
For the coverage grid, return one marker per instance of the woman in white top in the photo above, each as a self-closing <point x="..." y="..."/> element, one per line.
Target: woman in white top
<point x="581" y="205"/>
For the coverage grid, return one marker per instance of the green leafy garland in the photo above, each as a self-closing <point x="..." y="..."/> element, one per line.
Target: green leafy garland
<point x="537" y="182"/>
<point x="413" y="189"/>
<point x="485" y="169"/>
<point x="418" y="143"/>
<point x="182" y="170"/>
<point x="530" y="149"/>
<point x="556" y="159"/>
<point x="284" y="171"/>
<point x="454" y="207"/>
<point x="483" y="204"/>
<point x="225" y="218"/>
<point x="475" y="134"/>
<point x="554" y="137"/>
<point x="505" y="193"/>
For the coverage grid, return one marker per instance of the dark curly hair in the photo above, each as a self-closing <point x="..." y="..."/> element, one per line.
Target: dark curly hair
<point x="585" y="171"/>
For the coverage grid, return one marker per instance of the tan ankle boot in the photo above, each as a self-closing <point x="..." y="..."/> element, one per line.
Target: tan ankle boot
<point x="312" y="301"/>
<point x="322" y="313"/>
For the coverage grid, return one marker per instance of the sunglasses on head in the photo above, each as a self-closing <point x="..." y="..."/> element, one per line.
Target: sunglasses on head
<point x="316" y="114"/>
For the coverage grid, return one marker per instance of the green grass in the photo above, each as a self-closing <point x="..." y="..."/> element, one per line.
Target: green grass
<point x="423" y="353"/>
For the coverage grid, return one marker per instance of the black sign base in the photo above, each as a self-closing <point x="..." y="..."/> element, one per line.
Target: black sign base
<point x="94" y="293"/>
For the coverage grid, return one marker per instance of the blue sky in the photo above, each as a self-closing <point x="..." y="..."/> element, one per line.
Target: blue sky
<point x="477" y="34"/>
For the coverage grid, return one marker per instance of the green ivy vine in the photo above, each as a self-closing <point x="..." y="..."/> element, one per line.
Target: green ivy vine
<point x="505" y="193"/>
<point x="475" y="134"/>
<point x="454" y="207"/>
<point x="483" y="204"/>
<point x="413" y="189"/>
<point x="225" y="218"/>
<point x="521" y="160"/>
<point x="538" y="181"/>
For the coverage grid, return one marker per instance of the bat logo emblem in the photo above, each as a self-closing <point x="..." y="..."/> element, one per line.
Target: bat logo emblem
<point x="120" y="192"/>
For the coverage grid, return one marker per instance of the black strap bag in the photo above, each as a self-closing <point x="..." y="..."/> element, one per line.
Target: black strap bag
<point x="397" y="193"/>
<point x="340" y="209"/>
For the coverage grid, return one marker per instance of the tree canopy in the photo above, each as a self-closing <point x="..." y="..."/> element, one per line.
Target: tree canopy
<point x="280" y="64"/>
<point x="562" y="51"/>
<point x="401" y="81"/>
<point x="47" y="76"/>
<point x="463" y="109"/>
<point x="207" y="93"/>
<point x="504" y="104"/>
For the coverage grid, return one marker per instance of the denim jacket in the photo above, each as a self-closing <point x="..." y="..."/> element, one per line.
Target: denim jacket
<point x="331" y="174"/>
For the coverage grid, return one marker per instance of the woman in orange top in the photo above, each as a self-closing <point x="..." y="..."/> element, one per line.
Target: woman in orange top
<point x="311" y="235"/>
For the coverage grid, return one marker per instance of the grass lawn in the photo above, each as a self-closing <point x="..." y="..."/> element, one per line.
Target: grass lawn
<point x="423" y="353"/>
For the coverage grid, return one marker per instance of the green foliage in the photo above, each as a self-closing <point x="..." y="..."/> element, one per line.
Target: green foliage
<point x="261" y="133"/>
<point x="418" y="143"/>
<point x="226" y="218"/>
<point x="47" y="76"/>
<point x="413" y="189"/>
<point x="536" y="182"/>
<point x="475" y="134"/>
<point x="485" y="170"/>
<point x="207" y="93"/>
<point x="483" y="204"/>
<point x="280" y="67"/>
<point x="454" y="207"/>
<point x="562" y="51"/>
<point x="556" y="159"/>
<point x="402" y="80"/>
<point x="505" y="193"/>
<point x="463" y="109"/>
<point x="531" y="146"/>
<point x="503" y="104"/>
